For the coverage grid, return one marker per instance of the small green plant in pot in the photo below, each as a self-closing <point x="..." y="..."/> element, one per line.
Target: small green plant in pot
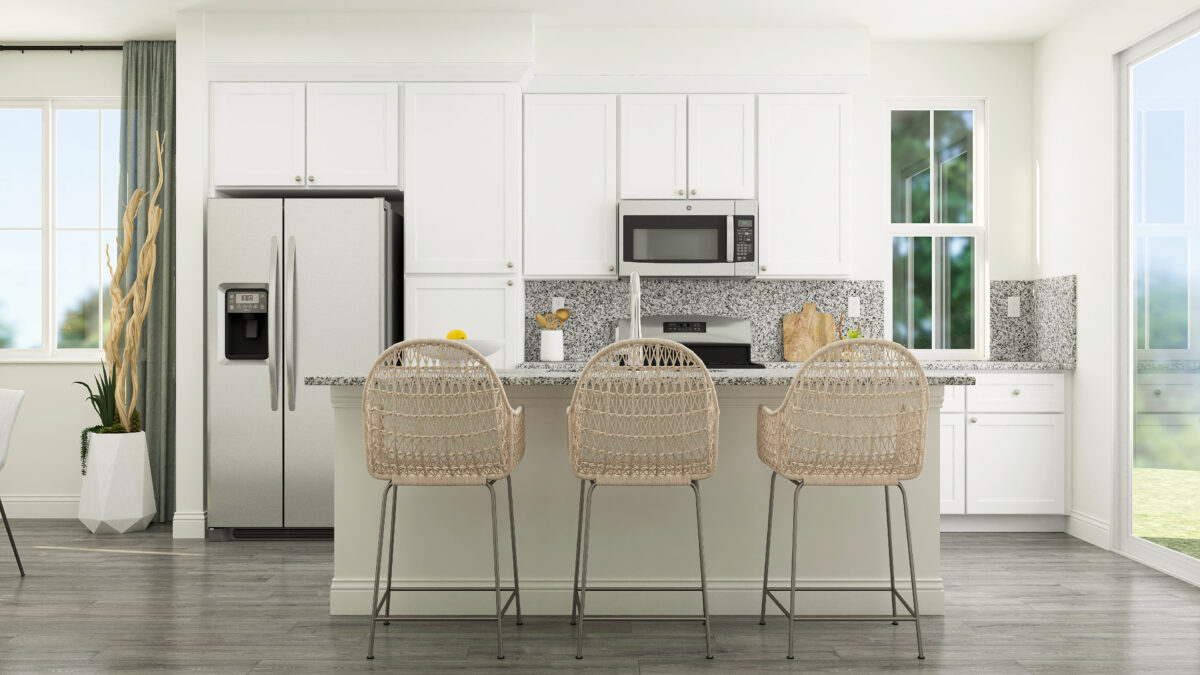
<point x="104" y="402"/>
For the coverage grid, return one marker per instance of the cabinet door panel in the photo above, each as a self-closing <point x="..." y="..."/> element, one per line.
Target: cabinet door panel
<point x="570" y="185"/>
<point x="462" y="161"/>
<point x="483" y="307"/>
<point x="953" y="465"/>
<point x="257" y="134"/>
<point x="352" y="132"/>
<point x="804" y="179"/>
<point x="721" y="146"/>
<point x="1016" y="463"/>
<point x="653" y="146"/>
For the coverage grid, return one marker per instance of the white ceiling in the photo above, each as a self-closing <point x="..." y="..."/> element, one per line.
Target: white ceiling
<point x="94" y="21"/>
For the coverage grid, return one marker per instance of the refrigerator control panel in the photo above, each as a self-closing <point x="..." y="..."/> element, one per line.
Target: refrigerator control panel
<point x="246" y="301"/>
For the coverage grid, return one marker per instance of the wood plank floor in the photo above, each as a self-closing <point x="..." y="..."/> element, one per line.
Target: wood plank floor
<point x="1015" y="603"/>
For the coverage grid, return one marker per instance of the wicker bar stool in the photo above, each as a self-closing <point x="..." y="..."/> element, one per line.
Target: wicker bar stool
<point x="435" y="413"/>
<point x="855" y="414"/>
<point x="643" y="413"/>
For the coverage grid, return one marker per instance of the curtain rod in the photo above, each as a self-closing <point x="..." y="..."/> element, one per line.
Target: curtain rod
<point x="60" y="48"/>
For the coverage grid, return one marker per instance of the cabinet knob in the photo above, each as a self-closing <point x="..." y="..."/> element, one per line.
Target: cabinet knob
<point x="681" y="192"/>
<point x="1016" y="392"/>
<point x="693" y="191"/>
<point x="611" y="268"/>
<point x="510" y="265"/>
<point x="1158" y="392"/>
<point x="310" y="178"/>
<point x="974" y="420"/>
<point x="298" y="179"/>
<point x="763" y="268"/>
<point x="510" y="282"/>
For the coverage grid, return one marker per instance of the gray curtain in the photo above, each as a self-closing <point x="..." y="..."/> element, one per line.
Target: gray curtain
<point x="148" y="105"/>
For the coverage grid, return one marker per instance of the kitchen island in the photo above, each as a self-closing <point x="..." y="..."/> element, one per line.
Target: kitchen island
<point x="640" y="536"/>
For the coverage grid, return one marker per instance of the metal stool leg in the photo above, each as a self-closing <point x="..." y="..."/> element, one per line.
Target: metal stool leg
<point x="491" y="486"/>
<point x="512" y="531"/>
<point x="703" y="575"/>
<point x="912" y="571"/>
<point x="387" y="593"/>
<point x="378" y="565"/>
<point x="587" y="531"/>
<point x="578" y="545"/>
<point x="792" y="590"/>
<point x="887" y="510"/>
<point x="11" y="540"/>
<point x="762" y="614"/>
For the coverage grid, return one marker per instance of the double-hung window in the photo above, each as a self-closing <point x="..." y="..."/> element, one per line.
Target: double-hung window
<point x="937" y="295"/>
<point x="58" y="211"/>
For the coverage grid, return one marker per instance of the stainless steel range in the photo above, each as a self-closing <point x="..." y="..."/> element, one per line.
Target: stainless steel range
<point x="719" y="341"/>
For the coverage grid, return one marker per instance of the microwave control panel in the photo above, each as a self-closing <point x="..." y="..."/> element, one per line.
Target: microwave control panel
<point x="743" y="238"/>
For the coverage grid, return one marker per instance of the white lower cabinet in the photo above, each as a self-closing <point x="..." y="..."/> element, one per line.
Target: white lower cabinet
<point x="483" y="307"/>
<point x="1016" y="463"/>
<point x="1004" y="444"/>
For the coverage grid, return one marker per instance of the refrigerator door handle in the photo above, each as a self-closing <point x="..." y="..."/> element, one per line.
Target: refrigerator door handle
<point x="289" y="330"/>
<point x="272" y="277"/>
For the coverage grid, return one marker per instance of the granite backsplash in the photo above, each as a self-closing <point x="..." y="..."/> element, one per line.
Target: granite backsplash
<point x="596" y="305"/>
<point x="1045" y="331"/>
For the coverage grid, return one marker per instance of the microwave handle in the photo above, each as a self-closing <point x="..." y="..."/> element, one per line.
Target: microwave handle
<point x="728" y="238"/>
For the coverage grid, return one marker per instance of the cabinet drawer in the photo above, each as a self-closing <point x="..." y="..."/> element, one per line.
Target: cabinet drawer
<point x="956" y="399"/>
<point x="1166" y="393"/>
<point x="1024" y="392"/>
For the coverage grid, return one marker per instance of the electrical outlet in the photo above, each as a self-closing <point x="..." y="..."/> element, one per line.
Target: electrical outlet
<point x="558" y="304"/>
<point x="1014" y="306"/>
<point x="853" y="307"/>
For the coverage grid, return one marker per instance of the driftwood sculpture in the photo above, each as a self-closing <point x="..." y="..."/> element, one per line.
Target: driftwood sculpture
<point x="129" y="308"/>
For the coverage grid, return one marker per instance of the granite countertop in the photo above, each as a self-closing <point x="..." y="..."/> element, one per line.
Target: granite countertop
<point x="1000" y="366"/>
<point x="1168" y="366"/>
<point x="567" y="373"/>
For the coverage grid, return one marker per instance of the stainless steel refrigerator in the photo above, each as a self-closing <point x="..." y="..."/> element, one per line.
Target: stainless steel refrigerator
<point x="295" y="288"/>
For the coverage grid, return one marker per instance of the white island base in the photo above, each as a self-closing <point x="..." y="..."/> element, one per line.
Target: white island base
<point x="641" y="536"/>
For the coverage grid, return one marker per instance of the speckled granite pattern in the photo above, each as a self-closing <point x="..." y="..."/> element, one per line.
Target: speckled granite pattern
<point x="985" y="366"/>
<point x="1045" y="331"/>
<point x="1168" y="366"/>
<point x="1055" y="320"/>
<point x="1013" y="338"/>
<point x="535" y="377"/>
<point x="597" y="304"/>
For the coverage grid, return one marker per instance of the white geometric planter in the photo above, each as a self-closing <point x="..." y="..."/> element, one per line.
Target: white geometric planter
<point x="117" y="495"/>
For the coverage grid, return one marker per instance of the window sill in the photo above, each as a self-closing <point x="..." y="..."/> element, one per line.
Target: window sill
<point x="60" y="360"/>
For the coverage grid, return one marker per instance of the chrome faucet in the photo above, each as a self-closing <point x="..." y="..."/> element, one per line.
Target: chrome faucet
<point x="635" y="305"/>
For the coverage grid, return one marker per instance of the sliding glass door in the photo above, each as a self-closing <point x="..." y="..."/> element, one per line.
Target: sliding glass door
<point x="1161" y="253"/>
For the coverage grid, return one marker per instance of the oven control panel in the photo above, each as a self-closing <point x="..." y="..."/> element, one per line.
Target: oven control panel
<point x="743" y="238"/>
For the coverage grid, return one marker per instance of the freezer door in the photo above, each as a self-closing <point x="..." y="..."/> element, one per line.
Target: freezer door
<point x="244" y="396"/>
<point x="334" y="280"/>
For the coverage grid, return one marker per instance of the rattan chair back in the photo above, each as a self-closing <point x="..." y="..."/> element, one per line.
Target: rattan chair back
<point x="435" y="413"/>
<point x="643" y="413"/>
<point x="855" y="414"/>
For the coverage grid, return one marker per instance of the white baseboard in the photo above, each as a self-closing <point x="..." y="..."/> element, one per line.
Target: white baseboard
<point x="998" y="523"/>
<point x="1090" y="529"/>
<point x="552" y="597"/>
<point x="189" y="525"/>
<point x="41" y="506"/>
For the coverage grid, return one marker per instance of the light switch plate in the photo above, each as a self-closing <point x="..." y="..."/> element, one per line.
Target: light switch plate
<point x="853" y="307"/>
<point x="1014" y="306"/>
<point x="558" y="304"/>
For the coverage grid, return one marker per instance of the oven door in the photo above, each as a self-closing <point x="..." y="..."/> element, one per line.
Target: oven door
<point x="676" y="238"/>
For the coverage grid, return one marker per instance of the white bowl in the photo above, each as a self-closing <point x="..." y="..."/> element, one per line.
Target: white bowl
<point x="485" y="347"/>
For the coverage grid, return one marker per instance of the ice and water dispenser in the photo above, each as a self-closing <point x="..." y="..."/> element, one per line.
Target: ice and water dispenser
<point x="246" y="334"/>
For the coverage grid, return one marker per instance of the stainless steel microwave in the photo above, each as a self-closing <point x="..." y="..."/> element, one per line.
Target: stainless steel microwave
<point x="687" y="238"/>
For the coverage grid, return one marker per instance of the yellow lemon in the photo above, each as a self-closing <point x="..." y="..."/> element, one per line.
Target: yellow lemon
<point x="456" y="335"/>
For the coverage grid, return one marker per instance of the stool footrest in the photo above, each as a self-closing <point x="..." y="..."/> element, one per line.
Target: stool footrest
<point x="911" y="616"/>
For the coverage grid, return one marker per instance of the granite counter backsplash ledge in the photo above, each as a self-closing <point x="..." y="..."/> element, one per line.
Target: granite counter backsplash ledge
<point x="536" y="377"/>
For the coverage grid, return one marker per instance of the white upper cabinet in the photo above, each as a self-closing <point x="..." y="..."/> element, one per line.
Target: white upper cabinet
<point x="484" y="307"/>
<point x="570" y="185"/>
<point x="804" y="182"/>
<point x="653" y="146"/>
<point x="353" y="134"/>
<point x="258" y="134"/>
<point x="462" y="159"/>
<point x="721" y="146"/>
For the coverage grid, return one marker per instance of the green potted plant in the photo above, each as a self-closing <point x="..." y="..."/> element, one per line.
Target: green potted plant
<point x="117" y="494"/>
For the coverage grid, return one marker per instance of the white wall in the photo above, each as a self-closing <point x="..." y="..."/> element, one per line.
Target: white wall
<point x="41" y="477"/>
<point x="1000" y="72"/>
<point x="1076" y="125"/>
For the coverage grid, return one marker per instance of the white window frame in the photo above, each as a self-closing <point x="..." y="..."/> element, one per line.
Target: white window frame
<point x="50" y="351"/>
<point x="977" y="229"/>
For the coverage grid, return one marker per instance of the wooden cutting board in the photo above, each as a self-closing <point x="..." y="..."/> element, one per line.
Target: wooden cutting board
<point x="806" y="332"/>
